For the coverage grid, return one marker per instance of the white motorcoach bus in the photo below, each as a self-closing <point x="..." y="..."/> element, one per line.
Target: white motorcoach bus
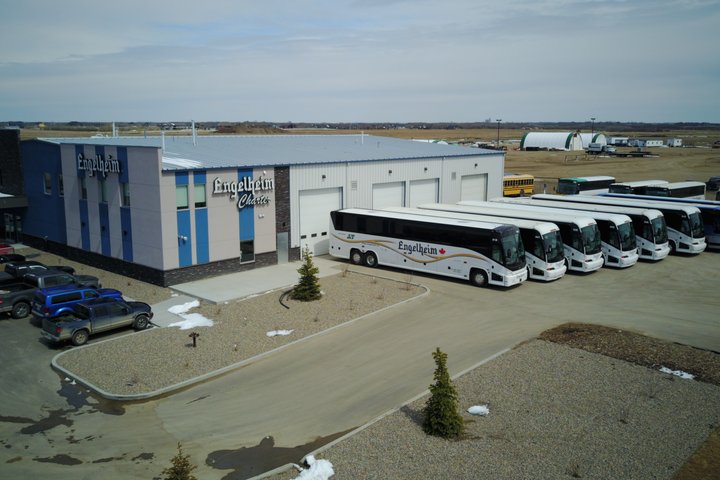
<point x="684" y="223"/>
<point x="619" y="246"/>
<point x="709" y="214"/>
<point x="584" y="185"/>
<point x="637" y="187"/>
<point x="694" y="190"/>
<point x="481" y="252"/>
<point x="580" y="234"/>
<point x="544" y="252"/>
<point x="650" y="229"/>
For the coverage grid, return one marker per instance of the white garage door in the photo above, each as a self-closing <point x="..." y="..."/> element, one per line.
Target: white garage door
<point x="474" y="187"/>
<point x="315" y="208"/>
<point x="423" y="191"/>
<point x="388" y="195"/>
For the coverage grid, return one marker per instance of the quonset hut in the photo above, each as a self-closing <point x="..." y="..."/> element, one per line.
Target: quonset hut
<point x="551" y="141"/>
<point x="588" y="138"/>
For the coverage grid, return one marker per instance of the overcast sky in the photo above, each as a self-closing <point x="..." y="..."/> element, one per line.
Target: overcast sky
<point x="360" y="60"/>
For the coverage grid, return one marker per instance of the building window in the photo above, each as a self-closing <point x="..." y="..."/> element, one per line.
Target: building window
<point x="125" y="187"/>
<point x="47" y="183"/>
<point x="61" y="185"/>
<point x="181" y="197"/>
<point x="200" y="197"/>
<point x="83" y="188"/>
<point x="247" y="250"/>
<point x="102" y="185"/>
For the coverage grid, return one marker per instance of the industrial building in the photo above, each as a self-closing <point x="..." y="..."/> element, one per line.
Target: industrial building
<point x="551" y="141"/>
<point x="173" y="209"/>
<point x="598" y="138"/>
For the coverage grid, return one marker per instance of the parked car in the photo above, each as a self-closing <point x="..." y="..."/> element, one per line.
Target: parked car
<point x="713" y="183"/>
<point x="16" y="298"/>
<point x="20" y="269"/>
<point x="54" y="301"/>
<point x="6" y="248"/>
<point x="95" y="316"/>
<point x="57" y="278"/>
<point x="11" y="257"/>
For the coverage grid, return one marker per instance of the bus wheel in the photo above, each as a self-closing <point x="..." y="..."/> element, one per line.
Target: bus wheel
<point x="673" y="250"/>
<point x="370" y="260"/>
<point x="478" y="277"/>
<point x="356" y="257"/>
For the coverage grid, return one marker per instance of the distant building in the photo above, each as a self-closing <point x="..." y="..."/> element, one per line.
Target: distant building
<point x="642" y="143"/>
<point x="588" y="138"/>
<point x="551" y="141"/>
<point x="618" y="141"/>
<point x="674" y="142"/>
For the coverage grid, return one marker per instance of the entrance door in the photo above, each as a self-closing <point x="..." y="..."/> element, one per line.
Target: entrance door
<point x="315" y="208"/>
<point x="474" y="187"/>
<point x="281" y="246"/>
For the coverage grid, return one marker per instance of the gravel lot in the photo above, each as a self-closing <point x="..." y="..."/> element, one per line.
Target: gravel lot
<point x="239" y="332"/>
<point x="555" y="412"/>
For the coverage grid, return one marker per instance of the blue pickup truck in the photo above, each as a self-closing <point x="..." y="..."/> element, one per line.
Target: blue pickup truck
<point x="54" y="301"/>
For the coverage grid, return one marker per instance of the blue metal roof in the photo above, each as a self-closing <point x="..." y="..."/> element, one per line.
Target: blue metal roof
<point x="211" y="152"/>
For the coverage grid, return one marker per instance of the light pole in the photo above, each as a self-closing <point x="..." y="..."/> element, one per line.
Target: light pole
<point x="498" y="120"/>
<point x="592" y="127"/>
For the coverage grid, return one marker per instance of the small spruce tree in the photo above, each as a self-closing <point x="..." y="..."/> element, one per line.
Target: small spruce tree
<point x="442" y="418"/>
<point x="308" y="288"/>
<point x="181" y="467"/>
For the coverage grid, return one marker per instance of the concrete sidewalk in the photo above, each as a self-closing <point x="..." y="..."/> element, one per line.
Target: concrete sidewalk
<point x="253" y="282"/>
<point x="235" y="286"/>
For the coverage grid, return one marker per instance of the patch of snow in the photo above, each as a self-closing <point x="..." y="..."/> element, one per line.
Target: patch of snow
<point x="678" y="373"/>
<point x="184" y="308"/>
<point x="482" y="410"/>
<point x="273" y="333"/>
<point x="317" y="469"/>
<point x="192" y="320"/>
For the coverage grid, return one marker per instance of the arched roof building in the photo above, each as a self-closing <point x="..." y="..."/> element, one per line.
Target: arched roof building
<point x="551" y="141"/>
<point x="588" y="138"/>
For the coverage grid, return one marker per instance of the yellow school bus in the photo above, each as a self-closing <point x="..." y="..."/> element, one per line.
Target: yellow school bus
<point x="518" y="185"/>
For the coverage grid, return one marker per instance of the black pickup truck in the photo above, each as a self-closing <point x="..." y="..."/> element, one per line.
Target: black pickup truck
<point x="55" y="278"/>
<point x="19" y="269"/>
<point x="95" y="316"/>
<point x="16" y="298"/>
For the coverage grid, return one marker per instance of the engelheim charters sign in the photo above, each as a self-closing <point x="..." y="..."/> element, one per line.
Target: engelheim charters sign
<point x="247" y="190"/>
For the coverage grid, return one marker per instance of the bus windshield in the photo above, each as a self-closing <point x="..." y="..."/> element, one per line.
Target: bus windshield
<point x="553" y="247"/>
<point x="591" y="239"/>
<point x="627" y="236"/>
<point x="697" y="228"/>
<point x="567" y="187"/>
<point x="659" y="230"/>
<point x="513" y="250"/>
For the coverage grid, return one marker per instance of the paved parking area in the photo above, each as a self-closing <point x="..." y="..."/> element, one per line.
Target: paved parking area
<point x="332" y="382"/>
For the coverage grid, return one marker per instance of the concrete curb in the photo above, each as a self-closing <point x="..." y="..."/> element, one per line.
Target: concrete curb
<point x="201" y="378"/>
<point x="327" y="446"/>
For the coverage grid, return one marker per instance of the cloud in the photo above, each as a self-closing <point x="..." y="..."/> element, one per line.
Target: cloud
<point x="359" y="60"/>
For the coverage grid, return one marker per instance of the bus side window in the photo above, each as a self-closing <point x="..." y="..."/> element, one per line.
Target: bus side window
<point x="496" y="253"/>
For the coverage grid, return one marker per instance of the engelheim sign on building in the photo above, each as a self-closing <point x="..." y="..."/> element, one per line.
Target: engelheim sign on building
<point x="100" y="164"/>
<point x="247" y="190"/>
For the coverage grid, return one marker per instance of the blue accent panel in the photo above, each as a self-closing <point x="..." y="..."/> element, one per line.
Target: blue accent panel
<point x="126" y="225"/>
<point x="181" y="178"/>
<point x="199" y="176"/>
<point x="202" y="247"/>
<point x="123" y="159"/>
<point x="104" y="230"/>
<point x="45" y="214"/>
<point x="247" y="214"/>
<point x="184" y="246"/>
<point x="84" y="225"/>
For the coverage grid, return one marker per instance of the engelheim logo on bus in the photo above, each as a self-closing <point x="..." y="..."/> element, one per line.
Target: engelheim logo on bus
<point x="417" y="248"/>
<point x="99" y="164"/>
